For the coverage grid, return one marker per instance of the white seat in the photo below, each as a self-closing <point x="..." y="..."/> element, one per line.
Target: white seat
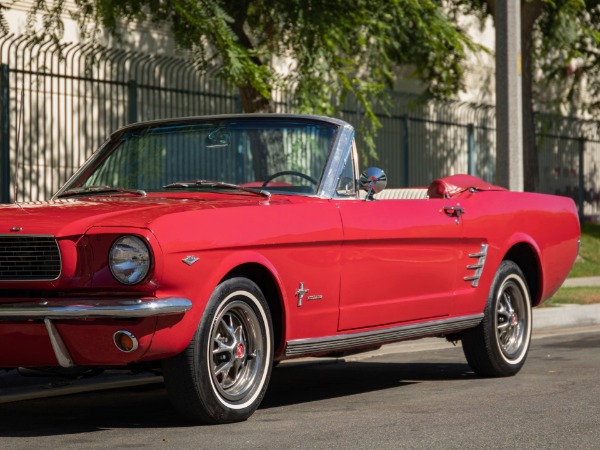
<point x="399" y="194"/>
<point x="402" y="194"/>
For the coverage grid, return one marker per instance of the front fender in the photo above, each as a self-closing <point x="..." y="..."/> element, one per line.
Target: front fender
<point x="173" y="333"/>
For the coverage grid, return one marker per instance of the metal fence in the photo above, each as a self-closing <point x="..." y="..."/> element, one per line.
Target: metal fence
<point x="569" y="160"/>
<point x="58" y="104"/>
<point x="420" y="142"/>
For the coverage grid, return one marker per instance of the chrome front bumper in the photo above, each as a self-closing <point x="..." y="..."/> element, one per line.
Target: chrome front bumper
<point x="90" y="309"/>
<point x="55" y="309"/>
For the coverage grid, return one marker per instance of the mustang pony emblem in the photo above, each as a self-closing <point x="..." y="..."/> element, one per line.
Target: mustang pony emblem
<point x="301" y="292"/>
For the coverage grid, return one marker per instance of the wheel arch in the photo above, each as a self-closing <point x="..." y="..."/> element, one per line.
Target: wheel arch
<point x="526" y="257"/>
<point x="267" y="283"/>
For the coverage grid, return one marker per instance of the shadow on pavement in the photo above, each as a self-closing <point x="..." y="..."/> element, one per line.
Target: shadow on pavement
<point x="149" y="407"/>
<point x="302" y="383"/>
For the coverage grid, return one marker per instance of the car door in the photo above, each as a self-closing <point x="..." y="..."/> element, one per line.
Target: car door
<point x="399" y="260"/>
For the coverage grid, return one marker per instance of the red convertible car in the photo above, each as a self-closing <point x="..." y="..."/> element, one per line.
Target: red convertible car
<point x="214" y="247"/>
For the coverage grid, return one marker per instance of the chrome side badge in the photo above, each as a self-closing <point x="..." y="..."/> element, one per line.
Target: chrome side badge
<point x="301" y="292"/>
<point x="189" y="260"/>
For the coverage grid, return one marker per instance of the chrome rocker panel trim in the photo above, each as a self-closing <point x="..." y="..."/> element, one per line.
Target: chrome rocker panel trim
<point x="69" y="308"/>
<point x="368" y="338"/>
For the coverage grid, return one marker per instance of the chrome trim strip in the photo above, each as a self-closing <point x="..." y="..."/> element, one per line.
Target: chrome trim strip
<point x="58" y="345"/>
<point x="478" y="255"/>
<point x="478" y="268"/>
<point x="385" y="336"/>
<point x="85" y="308"/>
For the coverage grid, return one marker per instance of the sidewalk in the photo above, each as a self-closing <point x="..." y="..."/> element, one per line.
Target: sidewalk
<point x="569" y="315"/>
<point x="582" y="282"/>
<point x="566" y="316"/>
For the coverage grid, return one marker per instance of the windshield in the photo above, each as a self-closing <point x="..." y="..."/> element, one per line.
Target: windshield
<point x="286" y="155"/>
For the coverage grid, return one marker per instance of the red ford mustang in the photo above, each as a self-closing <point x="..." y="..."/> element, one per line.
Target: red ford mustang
<point x="213" y="247"/>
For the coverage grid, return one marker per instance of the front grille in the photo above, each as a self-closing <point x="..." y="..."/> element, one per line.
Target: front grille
<point x="29" y="258"/>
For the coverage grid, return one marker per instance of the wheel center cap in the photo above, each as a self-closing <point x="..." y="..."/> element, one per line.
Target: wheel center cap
<point x="240" y="351"/>
<point x="514" y="320"/>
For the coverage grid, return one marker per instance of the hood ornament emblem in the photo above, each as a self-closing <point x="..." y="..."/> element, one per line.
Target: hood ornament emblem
<point x="189" y="260"/>
<point x="16" y="229"/>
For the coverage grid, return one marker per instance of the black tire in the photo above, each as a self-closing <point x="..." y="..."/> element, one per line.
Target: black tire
<point x="222" y="376"/>
<point x="498" y="346"/>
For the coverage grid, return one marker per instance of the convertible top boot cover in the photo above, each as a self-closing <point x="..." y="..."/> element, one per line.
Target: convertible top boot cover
<point x="454" y="185"/>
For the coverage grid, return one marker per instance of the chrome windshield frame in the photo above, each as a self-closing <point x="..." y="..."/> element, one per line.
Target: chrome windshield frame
<point x="338" y="152"/>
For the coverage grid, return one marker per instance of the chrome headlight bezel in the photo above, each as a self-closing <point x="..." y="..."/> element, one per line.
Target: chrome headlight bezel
<point x="129" y="260"/>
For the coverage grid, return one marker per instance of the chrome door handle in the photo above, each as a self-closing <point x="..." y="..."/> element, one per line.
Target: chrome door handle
<point x="454" y="211"/>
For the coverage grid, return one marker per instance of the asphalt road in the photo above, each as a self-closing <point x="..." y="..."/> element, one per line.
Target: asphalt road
<point x="423" y="399"/>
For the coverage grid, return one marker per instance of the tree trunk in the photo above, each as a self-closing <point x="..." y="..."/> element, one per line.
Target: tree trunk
<point x="253" y="102"/>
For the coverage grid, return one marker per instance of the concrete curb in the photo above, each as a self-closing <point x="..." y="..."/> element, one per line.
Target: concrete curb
<point x="582" y="282"/>
<point x="566" y="316"/>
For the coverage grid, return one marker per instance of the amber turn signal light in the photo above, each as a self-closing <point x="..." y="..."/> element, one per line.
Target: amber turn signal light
<point x="125" y="341"/>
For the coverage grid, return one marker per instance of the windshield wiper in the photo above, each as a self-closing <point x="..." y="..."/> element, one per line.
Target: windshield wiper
<point x="217" y="185"/>
<point x="100" y="190"/>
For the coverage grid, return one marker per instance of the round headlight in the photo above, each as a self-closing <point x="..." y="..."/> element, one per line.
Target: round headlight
<point x="129" y="260"/>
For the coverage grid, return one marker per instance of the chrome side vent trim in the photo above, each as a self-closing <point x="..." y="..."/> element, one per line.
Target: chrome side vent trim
<point x="306" y="347"/>
<point x="478" y="268"/>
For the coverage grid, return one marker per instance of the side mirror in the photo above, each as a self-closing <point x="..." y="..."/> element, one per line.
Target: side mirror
<point x="372" y="180"/>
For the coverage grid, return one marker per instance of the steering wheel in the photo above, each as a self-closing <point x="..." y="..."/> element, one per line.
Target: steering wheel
<point x="289" y="172"/>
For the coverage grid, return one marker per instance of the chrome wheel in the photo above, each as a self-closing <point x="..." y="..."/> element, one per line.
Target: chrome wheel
<point x="223" y="374"/>
<point x="511" y="318"/>
<point x="498" y="346"/>
<point x="237" y="350"/>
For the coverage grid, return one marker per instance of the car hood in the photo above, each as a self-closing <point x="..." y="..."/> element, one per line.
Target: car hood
<point x="68" y="217"/>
